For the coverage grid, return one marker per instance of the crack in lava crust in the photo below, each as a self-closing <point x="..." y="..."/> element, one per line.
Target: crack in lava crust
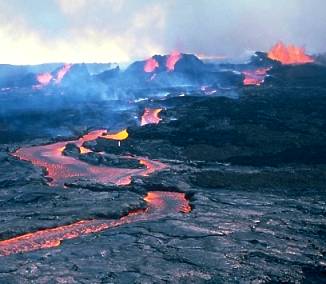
<point x="159" y="203"/>
<point x="62" y="169"/>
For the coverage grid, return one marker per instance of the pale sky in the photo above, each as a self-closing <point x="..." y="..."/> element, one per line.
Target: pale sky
<point x="38" y="31"/>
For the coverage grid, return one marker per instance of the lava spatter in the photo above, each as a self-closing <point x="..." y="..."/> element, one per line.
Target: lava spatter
<point x="160" y="204"/>
<point x="150" y="116"/>
<point x="150" y="65"/>
<point x="172" y="60"/>
<point x="62" y="72"/>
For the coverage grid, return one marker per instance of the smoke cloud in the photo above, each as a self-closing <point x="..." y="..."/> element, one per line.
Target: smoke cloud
<point x="37" y="31"/>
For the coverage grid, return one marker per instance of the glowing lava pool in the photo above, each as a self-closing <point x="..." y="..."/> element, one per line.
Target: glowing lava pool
<point x="63" y="169"/>
<point x="159" y="204"/>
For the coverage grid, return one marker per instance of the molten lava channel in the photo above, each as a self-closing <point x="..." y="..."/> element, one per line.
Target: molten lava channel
<point x="159" y="204"/>
<point x="150" y="116"/>
<point x="289" y="54"/>
<point x="62" y="169"/>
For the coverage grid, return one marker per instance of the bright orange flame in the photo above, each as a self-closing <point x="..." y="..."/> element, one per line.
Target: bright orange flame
<point x="62" y="72"/>
<point x="255" y="77"/>
<point x="159" y="204"/>
<point x="150" y="116"/>
<point x="289" y="54"/>
<point x="44" y="78"/>
<point x="150" y="65"/>
<point x="122" y="135"/>
<point x="173" y="58"/>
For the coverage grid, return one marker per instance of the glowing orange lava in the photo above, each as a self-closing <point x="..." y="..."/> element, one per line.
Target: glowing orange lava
<point x="289" y="54"/>
<point x="62" y="169"/>
<point x="84" y="150"/>
<point x="122" y="135"/>
<point x="150" y="116"/>
<point x="44" y="79"/>
<point x="62" y="72"/>
<point x="255" y="77"/>
<point x="167" y="202"/>
<point x="159" y="205"/>
<point x="173" y="58"/>
<point x="150" y="65"/>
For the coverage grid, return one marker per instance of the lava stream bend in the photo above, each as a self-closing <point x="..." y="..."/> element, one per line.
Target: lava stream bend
<point x="62" y="169"/>
<point x="159" y="205"/>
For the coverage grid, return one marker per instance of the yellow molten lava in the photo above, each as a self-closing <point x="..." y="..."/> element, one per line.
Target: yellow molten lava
<point x="122" y="135"/>
<point x="84" y="150"/>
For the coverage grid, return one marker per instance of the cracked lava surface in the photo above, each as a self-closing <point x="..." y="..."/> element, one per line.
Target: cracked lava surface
<point x="159" y="204"/>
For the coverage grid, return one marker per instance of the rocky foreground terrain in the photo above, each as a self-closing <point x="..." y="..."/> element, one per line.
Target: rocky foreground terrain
<point x="253" y="169"/>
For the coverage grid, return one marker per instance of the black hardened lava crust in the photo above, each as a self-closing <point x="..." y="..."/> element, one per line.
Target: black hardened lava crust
<point x="253" y="169"/>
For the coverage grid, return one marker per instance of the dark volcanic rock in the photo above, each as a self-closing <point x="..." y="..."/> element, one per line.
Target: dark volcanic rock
<point x="77" y="75"/>
<point x="188" y="71"/>
<point x="108" y="75"/>
<point x="71" y="150"/>
<point x="253" y="170"/>
<point x="269" y="129"/>
<point x="110" y="161"/>
<point x="305" y="75"/>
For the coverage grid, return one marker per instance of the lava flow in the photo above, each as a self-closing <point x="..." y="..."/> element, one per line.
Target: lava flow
<point x="44" y="79"/>
<point x="62" y="169"/>
<point x="150" y="116"/>
<point x="121" y="135"/>
<point x="173" y="58"/>
<point x="159" y="205"/>
<point x="255" y="77"/>
<point x="150" y="65"/>
<point x="289" y="54"/>
<point x="62" y="72"/>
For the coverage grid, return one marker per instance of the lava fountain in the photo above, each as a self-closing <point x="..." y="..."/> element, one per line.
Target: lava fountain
<point x="62" y="72"/>
<point x="62" y="169"/>
<point x="172" y="59"/>
<point x="150" y="116"/>
<point x="44" y="79"/>
<point x="159" y="204"/>
<point x="289" y="54"/>
<point x="150" y="65"/>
